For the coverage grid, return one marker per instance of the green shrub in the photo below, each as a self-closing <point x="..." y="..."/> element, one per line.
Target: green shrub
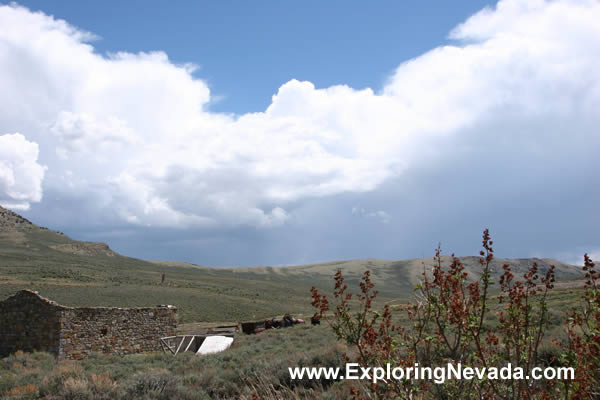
<point x="157" y="384"/>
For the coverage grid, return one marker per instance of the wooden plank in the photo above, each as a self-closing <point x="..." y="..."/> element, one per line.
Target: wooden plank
<point x="180" y="344"/>
<point x="163" y="342"/>
<point x="190" y="343"/>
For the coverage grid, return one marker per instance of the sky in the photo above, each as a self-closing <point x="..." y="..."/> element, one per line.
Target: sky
<point x="278" y="133"/>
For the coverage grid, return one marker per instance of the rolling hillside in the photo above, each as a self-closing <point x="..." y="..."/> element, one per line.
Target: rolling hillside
<point x="86" y="273"/>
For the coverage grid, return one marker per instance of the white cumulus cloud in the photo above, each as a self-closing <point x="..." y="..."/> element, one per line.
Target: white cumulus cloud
<point x="20" y="174"/>
<point x="136" y="126"/>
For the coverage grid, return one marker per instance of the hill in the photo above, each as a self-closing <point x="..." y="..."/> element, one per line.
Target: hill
<point x="90" y="274"/>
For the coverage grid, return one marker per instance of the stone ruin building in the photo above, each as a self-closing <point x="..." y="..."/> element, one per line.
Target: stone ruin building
<point x="29" y="322"/>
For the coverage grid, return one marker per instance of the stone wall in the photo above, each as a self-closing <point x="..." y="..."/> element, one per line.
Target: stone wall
<point x="114" y="330"/>
<point x="30" y="322"/>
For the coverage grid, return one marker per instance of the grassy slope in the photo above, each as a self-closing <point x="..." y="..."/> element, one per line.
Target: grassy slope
<point x="83" y="274"/>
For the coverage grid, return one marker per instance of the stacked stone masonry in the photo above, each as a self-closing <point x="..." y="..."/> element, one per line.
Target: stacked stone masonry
<point x="29" y="322"/>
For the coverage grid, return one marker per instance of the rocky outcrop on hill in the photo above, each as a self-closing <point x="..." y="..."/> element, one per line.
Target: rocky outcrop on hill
<point x="18" y="230"/>
<point x="10" y="220"/>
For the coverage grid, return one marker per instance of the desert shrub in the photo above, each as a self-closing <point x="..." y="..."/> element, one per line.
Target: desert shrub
<point x="36" y="359"/>
<point x="69" y="381"/>
<point x="7" y="382"/>
<point x="155" y="384"/>
<point x="103" y="387"/>
<point x="21" y="372"/>
<point x="74" y="388"/>
<point x="184" y="392"/>
<point x="54" y="383"/>
<point x="24" y="392"/>
<point x="584" y="338"/>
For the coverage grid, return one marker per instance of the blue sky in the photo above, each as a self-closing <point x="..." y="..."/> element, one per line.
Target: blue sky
<point x="246" y="133"/>
<point x="247" y="50"/>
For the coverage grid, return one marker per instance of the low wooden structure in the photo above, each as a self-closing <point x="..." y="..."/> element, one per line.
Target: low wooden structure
<point x="250" y="327"/>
